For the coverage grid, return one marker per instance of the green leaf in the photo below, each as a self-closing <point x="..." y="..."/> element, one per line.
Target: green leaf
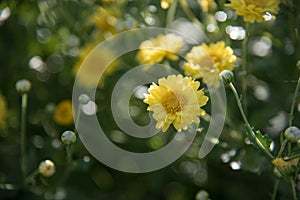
<point x="264" y="140"/>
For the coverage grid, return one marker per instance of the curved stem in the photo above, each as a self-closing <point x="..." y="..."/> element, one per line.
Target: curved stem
<point x="23" y="136"/>
<point x="190" y="14"/>
<point x="171" y="13"/>
<point x="248" y="126"/>
<point x="291" y="114"/>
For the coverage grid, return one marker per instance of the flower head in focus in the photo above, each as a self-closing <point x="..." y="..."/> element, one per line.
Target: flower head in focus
<point x="3" y="111"/>
<point x="165" y="4"/>
<point x="176" y="100"/>
<point x="159" y="48"/>
<point x="63" y="114"/>
<point x="88" y="70"/>
<point x="208" y="61"/>
<point x="254" y="10"/>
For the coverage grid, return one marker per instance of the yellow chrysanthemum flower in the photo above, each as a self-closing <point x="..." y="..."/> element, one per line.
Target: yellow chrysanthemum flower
<point x="164" y="4"/>
<point x="175" y="100"/>
<point x="207" y="4"/>
<point x="3" y="111"/>
<point x="285" y="167"/>
<point x="63" y="114"/>
<point x="93" y="66"/>
<point x="208" y="62"/>
<point x="254" y="10"/>
<point x="159" y="48"/>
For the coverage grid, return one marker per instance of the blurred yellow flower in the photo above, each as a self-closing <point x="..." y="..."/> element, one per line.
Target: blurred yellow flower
<point x="208" y="62"/>
<point x="164" y="4"/>
<point x="105" y="19"/>
<point x="254" y="10"/>
<point x="95" y="65"/>
<point x="207" y="4"/>
<point x="159" y="48"/>
<point x="3" y="111"/>
<point x="175" y="100"/>
<point x="63" y="114"/>
<point x="285" y="167"/>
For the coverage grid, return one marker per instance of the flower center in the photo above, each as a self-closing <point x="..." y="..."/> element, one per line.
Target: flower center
<point x="170" y="103"/>
<point x="258" y="3"/>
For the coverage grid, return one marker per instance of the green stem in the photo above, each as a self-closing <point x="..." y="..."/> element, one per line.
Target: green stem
<point x="77" y="116"/>
<point x="248" y="126"/>
<point x="291" y="114"/>
<point x="275" y="189"/>
<point x="282" y="148"/>
<point x="292" y="157"/>
<point x="190" y="14"/>
<point x="23" y="135"/>
<point x="32" y="175"/>
<point x="171" y="13"/>
<point x="69" y="154"/>
<point x="244" y="70"/>
<point x="293" y="190"/>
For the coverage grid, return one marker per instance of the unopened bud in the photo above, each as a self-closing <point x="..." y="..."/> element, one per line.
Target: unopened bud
<point x="47" y="168"/>
<point x="23" y="86"/>
<point x="84" y="99"/>
<point x="227" y="76"/>
<point x="292" y="134"/>
<point x="68" y="137"/>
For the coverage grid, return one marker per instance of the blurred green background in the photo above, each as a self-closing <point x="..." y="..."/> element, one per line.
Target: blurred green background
<point x="42" y="41"/>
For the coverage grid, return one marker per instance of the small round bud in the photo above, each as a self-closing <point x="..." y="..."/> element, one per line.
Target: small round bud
<point x="202" y="195"/>
<point x="227" y="76"/>
<point x="68" y="137"/>
<point x="23" y="86"/>
<point x="47" y="168"/>
<point x="84" y="99"/>
<point x="292" y="134"/>
<point x="277" y="173"/>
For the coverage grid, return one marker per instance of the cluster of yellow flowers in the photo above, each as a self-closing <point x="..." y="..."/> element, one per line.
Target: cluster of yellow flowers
<point x="176" y="99"/>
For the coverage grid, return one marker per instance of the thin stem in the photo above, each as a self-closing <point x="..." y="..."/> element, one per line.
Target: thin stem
<point x="291" y="114"/>
<point x="239" y="104"/>
<point x="248" y="126"/>
<point x="293" y="189"/>
<point x="69" y="154"/>
<point x="275" y="190"/>
<point x="171" y="13"/>
<point x="245" y="69"/>
<point x="282" y="148"/>
<point x="77" y="116"/>
<point x="190" y="14"/>
<point x="292" y="157"/>
<point x="32" y="175"/>
<point x="23" y="135"/>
